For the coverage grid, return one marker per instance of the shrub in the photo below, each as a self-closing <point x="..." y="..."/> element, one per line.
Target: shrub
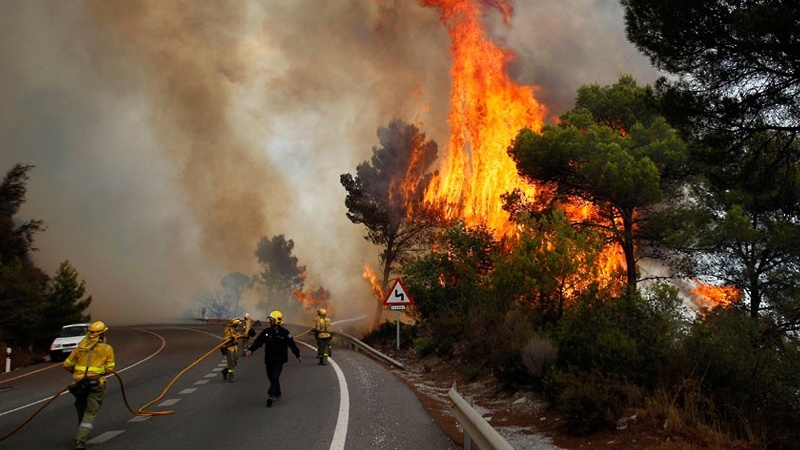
<point x="538" y="355"/>
<point x="593" y="401"/>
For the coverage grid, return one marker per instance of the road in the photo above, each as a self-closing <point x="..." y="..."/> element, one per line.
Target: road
<point x="352" y="403"/>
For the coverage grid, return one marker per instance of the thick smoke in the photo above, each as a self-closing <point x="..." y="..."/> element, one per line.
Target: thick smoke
<point x="170" y="136"/>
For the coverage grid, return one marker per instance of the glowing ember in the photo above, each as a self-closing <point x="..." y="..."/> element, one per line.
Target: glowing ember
<point x="709" y="296"/>
<point x="487" y="112"/>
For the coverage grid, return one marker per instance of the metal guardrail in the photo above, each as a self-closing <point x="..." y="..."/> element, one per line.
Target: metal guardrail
<point x="476" y="428"/>
<point x="359" y="345"/>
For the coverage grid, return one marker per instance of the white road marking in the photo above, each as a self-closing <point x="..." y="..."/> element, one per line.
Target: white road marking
<point x="187" y="391"/>
<point x="343" y="419"/>
<point x="105" y="437"/>
<point x="163" y="344"/>
<point x="169" y="402"/>
<point x="139" y="418"/>
<point x="201" y="382"/>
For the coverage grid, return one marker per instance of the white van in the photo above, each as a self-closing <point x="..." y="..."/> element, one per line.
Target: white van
<point x="67" y="340"/>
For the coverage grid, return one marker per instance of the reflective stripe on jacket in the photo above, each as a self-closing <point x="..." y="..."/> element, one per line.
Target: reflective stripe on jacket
<point x="102" y="362"/>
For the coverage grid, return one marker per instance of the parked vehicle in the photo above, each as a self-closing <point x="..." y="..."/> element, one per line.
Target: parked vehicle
<point x="67" y="340"/>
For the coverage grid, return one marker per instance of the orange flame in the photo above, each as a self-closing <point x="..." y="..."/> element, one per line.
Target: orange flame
<point x="370" y="276"/>
<point x="708" y="296"/>
<point x="314" y="299"/>
<point x="487" y="112"/>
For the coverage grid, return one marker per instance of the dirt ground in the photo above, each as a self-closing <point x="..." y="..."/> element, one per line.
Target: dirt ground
<point x="517" y="413"/>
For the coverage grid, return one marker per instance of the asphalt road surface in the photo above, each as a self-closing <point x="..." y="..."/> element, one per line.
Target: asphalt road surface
<point x="351" y="403"/>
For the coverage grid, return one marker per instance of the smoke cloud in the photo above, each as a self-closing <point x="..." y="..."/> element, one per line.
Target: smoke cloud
<point x="169" y="136"/>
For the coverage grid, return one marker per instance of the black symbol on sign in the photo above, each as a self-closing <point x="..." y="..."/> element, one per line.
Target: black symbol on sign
<point x="400" y="295"/>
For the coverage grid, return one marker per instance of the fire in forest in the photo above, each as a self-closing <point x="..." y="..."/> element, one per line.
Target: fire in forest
<point x="707" y="295"/>
<point x="487" y="111"/>
<point x="313" y="300"/>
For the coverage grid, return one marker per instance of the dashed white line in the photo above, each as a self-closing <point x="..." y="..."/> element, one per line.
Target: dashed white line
<point x="105" y="436"/>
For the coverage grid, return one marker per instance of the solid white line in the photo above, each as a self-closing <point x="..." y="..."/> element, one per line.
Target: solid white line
<point x="343" y="419"/>
<point x="163" y="344"/>
<point x="340" y="435"/>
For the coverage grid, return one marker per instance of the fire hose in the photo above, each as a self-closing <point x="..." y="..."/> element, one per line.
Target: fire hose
<point x="141" y="411"/>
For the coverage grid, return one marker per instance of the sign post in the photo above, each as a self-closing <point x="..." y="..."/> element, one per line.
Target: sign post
<point x="398" y="300"/>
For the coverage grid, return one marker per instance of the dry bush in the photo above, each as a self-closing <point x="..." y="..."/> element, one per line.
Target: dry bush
<point x="538" y="354"/>
<point x="690" y="416"/>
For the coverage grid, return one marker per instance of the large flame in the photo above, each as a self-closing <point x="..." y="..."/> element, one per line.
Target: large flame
<point x="708" y="296"/>
<point x="487" y="112"/>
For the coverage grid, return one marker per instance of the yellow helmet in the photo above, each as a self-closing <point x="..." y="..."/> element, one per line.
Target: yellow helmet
<point x="277" y="315"/>
<point x="321" y="312"/>
<point x="234" y="322"/>
<point x="98" y="327"/>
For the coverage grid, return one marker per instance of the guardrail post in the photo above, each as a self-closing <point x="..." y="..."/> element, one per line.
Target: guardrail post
<point x="475" y="426"/>
<point x="8" y="359"/>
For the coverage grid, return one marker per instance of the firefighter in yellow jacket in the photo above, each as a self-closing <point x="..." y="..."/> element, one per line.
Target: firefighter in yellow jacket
<point x="322" y="331"/>
<point x="89" y="362"/>
<point x="231" y="349"/>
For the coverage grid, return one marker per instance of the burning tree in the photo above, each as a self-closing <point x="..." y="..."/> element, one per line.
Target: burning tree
<point x="386" y="193"/>
<point x="612" y="151"/>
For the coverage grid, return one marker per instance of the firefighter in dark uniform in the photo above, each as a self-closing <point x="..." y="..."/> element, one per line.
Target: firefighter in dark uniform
<point x="277" y="342"/>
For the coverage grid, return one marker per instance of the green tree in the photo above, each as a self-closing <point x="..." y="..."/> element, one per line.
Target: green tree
<point x="733" y="93"/>
<point x="386" y="193"/>
<point x="281" y="273"/>
<point x="22" y="284"/>
<point x="451" y="282"/>
<point x="613" y="151"/>
<point x="16" y="238"/>
<point x="66" y="302"/>
<point x="735" y="65"/>
<point x="550" y="265"/>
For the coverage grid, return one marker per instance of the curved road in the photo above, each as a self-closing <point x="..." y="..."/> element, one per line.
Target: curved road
<point x="352" y="403"/>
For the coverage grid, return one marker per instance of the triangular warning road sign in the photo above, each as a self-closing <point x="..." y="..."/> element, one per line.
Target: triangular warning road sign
<point x="398" y="295"/>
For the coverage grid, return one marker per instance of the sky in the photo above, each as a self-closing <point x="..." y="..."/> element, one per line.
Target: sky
<point x="170" y="136"/>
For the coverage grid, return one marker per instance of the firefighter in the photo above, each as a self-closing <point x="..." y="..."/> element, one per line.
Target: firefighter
<point x="231" y="349"/>
<point x="277" y="342"/>
<point x="247" y="332"/>
<point x="89" y="362"/>
<point x="322" y="331"/>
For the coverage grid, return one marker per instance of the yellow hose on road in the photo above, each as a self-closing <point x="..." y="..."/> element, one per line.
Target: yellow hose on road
<point x="141" y="411"/>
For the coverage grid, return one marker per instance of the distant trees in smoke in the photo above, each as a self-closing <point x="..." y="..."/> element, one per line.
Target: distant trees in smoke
<point x="34" y="304"/>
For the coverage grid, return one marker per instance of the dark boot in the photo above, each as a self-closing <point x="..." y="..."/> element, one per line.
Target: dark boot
<point x="230" y="377"/>
<point x="225" y="374"/>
